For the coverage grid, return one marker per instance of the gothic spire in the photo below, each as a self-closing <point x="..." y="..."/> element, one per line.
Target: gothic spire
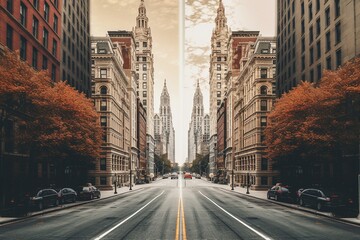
<point x="141" y="19"/>
<point x="220" y="20"/>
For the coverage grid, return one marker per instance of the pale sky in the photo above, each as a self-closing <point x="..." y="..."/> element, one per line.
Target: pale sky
<point x="199" y="17"/>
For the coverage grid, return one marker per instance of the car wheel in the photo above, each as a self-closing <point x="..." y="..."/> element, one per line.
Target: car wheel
<point x="40" y="206"/>
<point x="99" y="195"/>
<point x="319" y="206"/>
<point x="268" y="196"/>
<point x="301" y="202"/>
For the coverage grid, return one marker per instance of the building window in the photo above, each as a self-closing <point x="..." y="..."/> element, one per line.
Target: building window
<point x="263" y="90"/>
<point x="338" y="58"/>
<point x="45" y="38"/>
<point x="302" y="27"/>
<point x="137" y="67"/>
<point x="337" y="8"/>
<point x="10" y="6"/>
<point x="318" y="27"/>
<point x="144" y="85"/>
<point x="103" y="73"/>
<point x="103" y="165"/>
<point x="144" y="76"/>
<point x="310" y="12"/>
<point x="318" y="48"/>
<point x="103" y="105"/>
<point x="34" y="58"/>
<point x="303" y="63"/>
<point x="36" y="4"/>
<point x="46" y="11"/>
<point x="218" y="94"/>
<point x="218" y="76"/>
<point x="137" y="45"/>
<point x="337" y="33"/>
<point x="263" y="73"/>
<point x="327" y="16"/>
<point x="218" y="85"/>
<point x="263" y="105"/>
<point x="53" y="72"/>
<point x="302" y="9"/>
<point x="9" y="37"/>
<point x="144" y="102"/>
<point x="22" y="48"/>
<point x="311" y="57"/>
<point x="319" y="73"/>
<point x="56" y="3"/>
<point x="144" y="93"/>
<point x="218" y="59"/>
<point x="23" y="14"/>
<point x="312" y="75"/>
<point x="328" y="62"/>
<point x="218" y="67"/>
<point x="218" y="44"/>
<point x="103" y="90"/>
<point x="317" y="5"/>
<point x="144" y="59"/>
<point x="264" y="164"/>
<point x="103" y="121"/>
<point x="263" y="121"/>
<point x="144" y="44"/>
<point x="264" y="181"/>
<point x="54" y="49"/>
<point x="55" y="25"/>
<point x="218" y="102"/>
<point x="303" y="45"/>
<point x="35" y="27"/>
<point x="311" y="34"/>
<point x="102" y="180"/>
<point x="44" y="63"/>
<point x="144" y="67"/>
<point x="328" y="42"/>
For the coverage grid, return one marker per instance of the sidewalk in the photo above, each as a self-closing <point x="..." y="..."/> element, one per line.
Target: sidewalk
<point x="263" y="195"/>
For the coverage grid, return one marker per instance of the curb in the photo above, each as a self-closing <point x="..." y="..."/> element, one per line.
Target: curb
<point x="296" y="208"/>
<point x="62" y="207"/>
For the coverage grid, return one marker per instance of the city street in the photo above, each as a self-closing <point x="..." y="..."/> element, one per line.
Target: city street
<point x="178" y="209"/>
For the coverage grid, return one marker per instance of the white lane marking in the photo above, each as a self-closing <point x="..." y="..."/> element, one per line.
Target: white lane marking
<point x="243" y="223"/>
<point x="125" y="220"/>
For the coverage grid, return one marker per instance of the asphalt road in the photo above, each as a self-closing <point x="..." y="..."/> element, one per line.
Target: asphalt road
<point x="171" y="209"/>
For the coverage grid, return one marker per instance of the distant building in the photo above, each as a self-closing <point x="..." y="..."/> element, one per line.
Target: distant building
<point x="255" y="95"/>
<point x="313" y="36"/>
<point x="198" y="132"/>
<point x="141" y="168"/>
<point x="112" y="101"/>
<point x="75" y="66"/>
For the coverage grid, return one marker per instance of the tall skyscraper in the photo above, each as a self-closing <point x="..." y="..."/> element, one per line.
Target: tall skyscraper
<point x="313" y="36"/>
<point x="167" y="130"/>
<point x="145" y="71"/>
<point x="218" y="69"/>
<point x="198" y="132"/>
<point x="75" y="66"/>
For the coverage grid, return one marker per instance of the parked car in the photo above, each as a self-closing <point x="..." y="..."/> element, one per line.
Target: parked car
<point x="187" y="175"/>
<point x="67" y="195"/>
<point x="165" y="176"/>
<point x="323" y="199"/>
<point x="174" y="175"/>
<point x="88" y="193"/>
<point x="45" y="198"/>
<point x="139" y="181"/>
<point x="198" y="176"/>
<point x="280" y="193"/>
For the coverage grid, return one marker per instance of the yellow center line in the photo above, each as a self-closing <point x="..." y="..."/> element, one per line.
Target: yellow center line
<point x="183" y="220"/>
<point x="177" y="222"/>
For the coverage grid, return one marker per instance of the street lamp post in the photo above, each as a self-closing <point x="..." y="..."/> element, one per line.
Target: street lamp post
<point x="232" y="179"/>
<point x="115" y="183"/>
<point x="247" y="183"/>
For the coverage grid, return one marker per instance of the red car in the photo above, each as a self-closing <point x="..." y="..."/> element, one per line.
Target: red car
<point x="187" y="175"/>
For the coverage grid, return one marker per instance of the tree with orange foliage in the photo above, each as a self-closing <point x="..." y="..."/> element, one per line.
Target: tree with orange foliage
<point x="316" y="121"/>
<point x="61" y="121"/>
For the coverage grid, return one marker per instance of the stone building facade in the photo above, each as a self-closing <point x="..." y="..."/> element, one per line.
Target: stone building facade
<point x="255" y="96"/>
<point x="112" y="101"/>
<point x="313" y="36"/>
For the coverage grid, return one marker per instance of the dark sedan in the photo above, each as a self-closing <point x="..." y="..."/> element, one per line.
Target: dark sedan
<point x="280" y="193"/>
<point x="322" y="199"/>
<point x="88" y="193"/>
<point x="67" y="195"/>
<point x="45" y="198"/>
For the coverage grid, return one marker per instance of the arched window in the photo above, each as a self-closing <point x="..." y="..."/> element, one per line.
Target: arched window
<point x="263" y="90"/>
<point x="103" y="90"/>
